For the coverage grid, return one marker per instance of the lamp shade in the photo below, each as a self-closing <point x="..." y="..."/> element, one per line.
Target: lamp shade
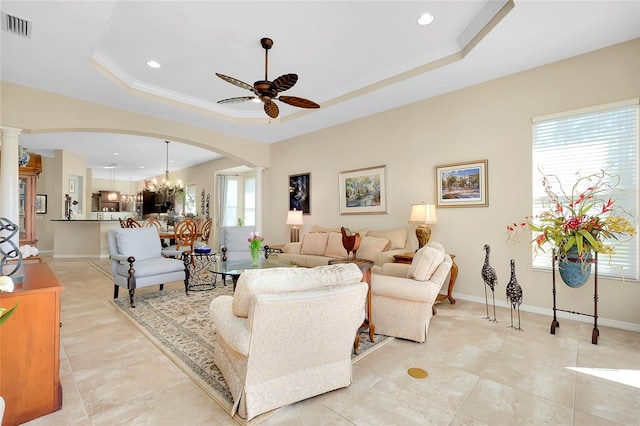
<point x="294" y="217"/>
<point x="423" y="213"/>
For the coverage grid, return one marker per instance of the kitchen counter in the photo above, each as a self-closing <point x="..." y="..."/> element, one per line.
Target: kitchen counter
<point x="83" y="238"/>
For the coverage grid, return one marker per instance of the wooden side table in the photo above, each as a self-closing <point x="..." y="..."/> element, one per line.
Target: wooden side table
<point x="365" y="266"/>
<point x="408" y="258"/>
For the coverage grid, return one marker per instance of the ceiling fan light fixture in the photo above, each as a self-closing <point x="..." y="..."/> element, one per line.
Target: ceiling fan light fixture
<point x="153" y="64"/>
<point x="425" y="19"/>
<point x="256" y="100"/>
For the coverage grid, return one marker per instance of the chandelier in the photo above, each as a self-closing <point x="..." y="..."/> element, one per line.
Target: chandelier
<point x="169" y="189"/>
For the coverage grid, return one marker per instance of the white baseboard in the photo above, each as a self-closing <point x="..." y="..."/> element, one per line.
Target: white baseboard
<point x="549" y="312"/>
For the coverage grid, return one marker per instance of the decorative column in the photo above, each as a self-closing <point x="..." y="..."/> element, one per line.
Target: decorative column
<point x="9" y="201"/>
<point x="259" y="171"/>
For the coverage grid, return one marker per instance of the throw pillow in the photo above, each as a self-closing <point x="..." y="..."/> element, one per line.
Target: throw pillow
<point x="371" y="247"/>
<point x="397" y="237"/>
<point x="285" y="280"/>
<point x="424" y="264"/>
<point x="334" y="246"/>
<point x="314" y="243"/>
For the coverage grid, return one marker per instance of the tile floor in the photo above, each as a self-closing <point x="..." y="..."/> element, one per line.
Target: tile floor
<point x="480" y="373"/>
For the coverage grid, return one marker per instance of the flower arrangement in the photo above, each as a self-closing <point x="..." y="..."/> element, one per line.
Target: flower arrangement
<point x="583" y="220"/>
<point x="255" y="241"/>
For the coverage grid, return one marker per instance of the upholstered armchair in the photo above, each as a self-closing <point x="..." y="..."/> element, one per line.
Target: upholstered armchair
<point x="137" y="261"/>
<point x="287" y="334"/>
<point x="402" y="296"/>
<point x="234" y="243"/>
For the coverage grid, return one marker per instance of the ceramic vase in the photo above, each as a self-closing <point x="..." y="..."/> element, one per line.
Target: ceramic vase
<point x="574" y="271"/>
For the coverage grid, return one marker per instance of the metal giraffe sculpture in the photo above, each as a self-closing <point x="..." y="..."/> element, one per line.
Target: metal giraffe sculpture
<point x="514" y="294"/>
<point x="490" y="279"/>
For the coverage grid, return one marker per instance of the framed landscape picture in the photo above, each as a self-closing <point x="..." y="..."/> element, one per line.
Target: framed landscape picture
<point x="462" y="184"/>
<point x="299" y="192"/>
<point x="363" y="191"/>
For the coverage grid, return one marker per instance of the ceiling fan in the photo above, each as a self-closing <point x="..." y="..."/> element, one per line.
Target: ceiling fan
<point x="267" y="91"/>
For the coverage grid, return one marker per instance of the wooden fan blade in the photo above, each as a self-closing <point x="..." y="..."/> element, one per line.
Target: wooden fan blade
<point x="284" y="82"/>
<point x="298" y="102"/>
<point x="271" y="109"/>
<point x="235" y="82"/>
<point x="236" y="100"/>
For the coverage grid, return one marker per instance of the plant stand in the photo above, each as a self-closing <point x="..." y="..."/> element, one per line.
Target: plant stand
<point x="555" y="324"/>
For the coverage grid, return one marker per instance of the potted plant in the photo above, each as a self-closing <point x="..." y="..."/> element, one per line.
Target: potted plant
<point x="578" y="224"/>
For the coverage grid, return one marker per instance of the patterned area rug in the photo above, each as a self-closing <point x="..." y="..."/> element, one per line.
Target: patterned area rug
<point x="180" y="326"/>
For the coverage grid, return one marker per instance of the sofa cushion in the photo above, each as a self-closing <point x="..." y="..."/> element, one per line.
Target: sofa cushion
<point x="151" y="267"/>
<point x="314" y="243"/>
<point x="371" y="247"/>
<point x="283" y="280"/>
<point x="141" y="243"/>
<point x="425" y="262"/>
<point x="316" y="228"/>
<point x="334" y="246"/>
<point x="397" y="237"/>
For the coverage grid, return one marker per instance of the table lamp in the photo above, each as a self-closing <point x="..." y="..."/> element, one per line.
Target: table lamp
<point x="423" y="214"/>
<point x="294" y="218"/>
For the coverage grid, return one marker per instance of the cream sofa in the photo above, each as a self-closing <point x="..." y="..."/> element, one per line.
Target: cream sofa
<point x="322" y="244"/>
<point x="402" y="296"/>
<point x="287" y="334"/>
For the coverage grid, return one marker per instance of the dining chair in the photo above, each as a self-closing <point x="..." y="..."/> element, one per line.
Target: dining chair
<point x="152" y="221"/>
<point x="185" y="235"/>
<point x="204" y="232"/>
<point x="132" y="223"/>
<point x="123" y="223"/>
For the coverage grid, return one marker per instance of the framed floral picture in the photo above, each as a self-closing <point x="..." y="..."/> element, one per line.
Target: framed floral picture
<point x="462" y="184"/>
<point x="363" y="191"/>
<point x="299" y="192"/>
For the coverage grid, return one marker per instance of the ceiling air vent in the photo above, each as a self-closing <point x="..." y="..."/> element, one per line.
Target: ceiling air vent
<point x="14" y="25"/>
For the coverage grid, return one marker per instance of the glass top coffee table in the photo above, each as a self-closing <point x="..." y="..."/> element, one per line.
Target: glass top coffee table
<point x="234" y="268"/>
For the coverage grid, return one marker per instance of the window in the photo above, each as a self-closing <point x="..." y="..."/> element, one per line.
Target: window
<point x="190" y="200"/>
<point x="588" y="141"/>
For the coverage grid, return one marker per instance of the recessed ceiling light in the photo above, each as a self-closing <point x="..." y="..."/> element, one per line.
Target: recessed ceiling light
<point x="425" y="19"/>
<point x="153" y="64"/>
<point x="116" y="153"/>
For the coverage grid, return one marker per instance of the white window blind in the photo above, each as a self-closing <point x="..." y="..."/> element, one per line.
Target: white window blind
<point x="582" y="143"/>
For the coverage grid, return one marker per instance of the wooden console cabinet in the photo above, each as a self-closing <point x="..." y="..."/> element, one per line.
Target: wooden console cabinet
<point x="30" y="347"/>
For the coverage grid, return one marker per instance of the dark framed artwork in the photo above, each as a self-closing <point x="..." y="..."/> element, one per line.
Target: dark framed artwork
<point x="41" y="204"/>
<point x="299" y="192"/>
<point x="462" y="184"/>
<point x="363" y="191"/>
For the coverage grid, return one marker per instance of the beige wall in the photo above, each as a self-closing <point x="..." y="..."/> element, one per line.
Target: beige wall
<point x="490" y="121"/>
